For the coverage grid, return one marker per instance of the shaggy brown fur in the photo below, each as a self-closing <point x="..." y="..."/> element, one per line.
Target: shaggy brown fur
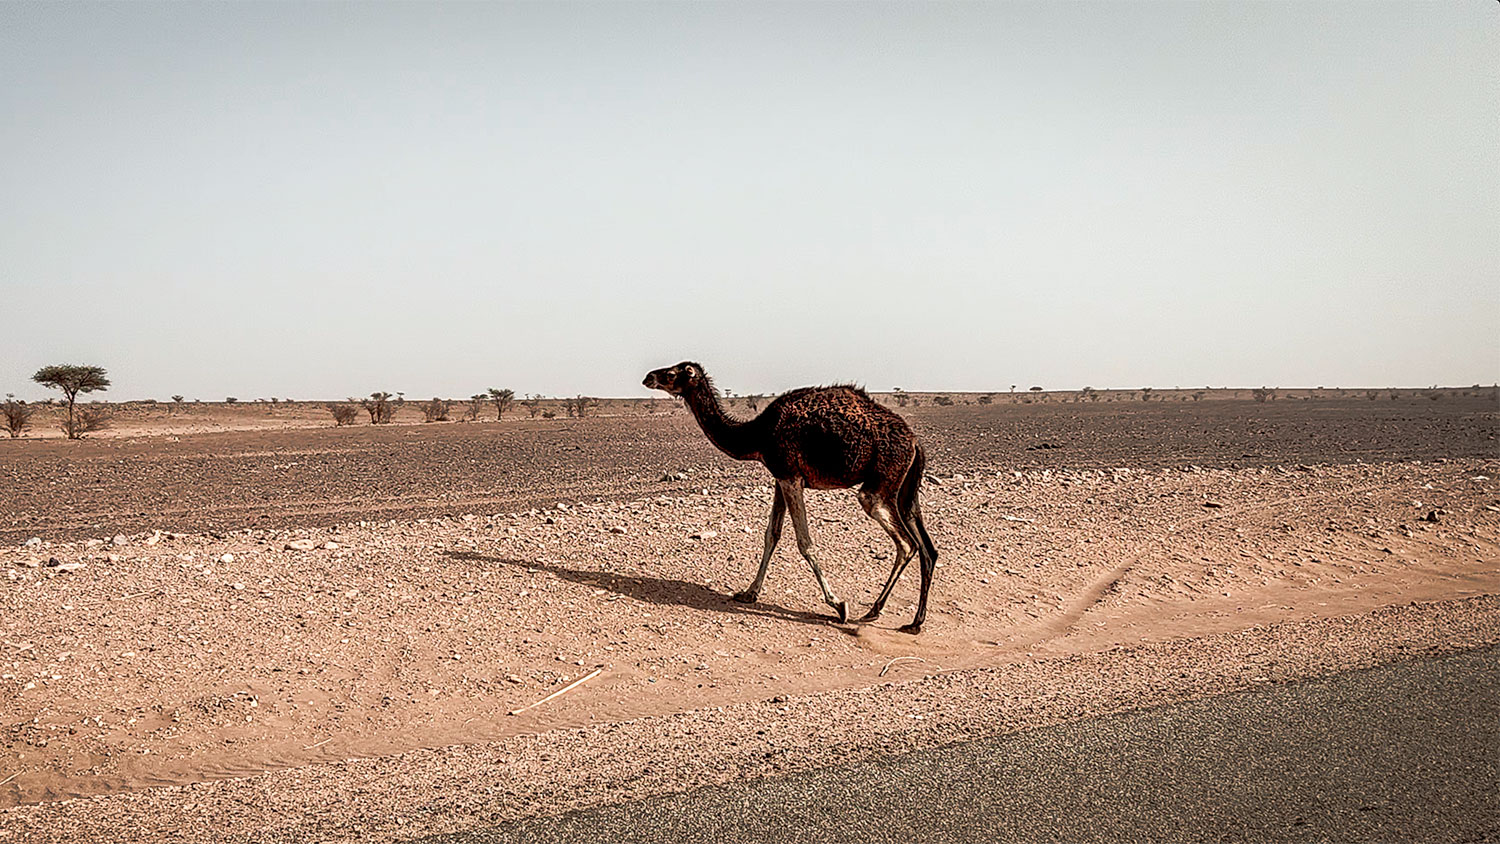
<point x="824" y="438"/>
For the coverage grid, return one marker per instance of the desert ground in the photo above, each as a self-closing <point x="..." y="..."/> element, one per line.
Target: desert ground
<point x="241" y="623"/>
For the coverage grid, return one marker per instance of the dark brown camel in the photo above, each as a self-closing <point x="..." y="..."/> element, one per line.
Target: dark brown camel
<point x="824" y="438"/>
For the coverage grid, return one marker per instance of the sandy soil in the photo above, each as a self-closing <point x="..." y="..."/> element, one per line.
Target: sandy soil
<point x="156" y="659"/>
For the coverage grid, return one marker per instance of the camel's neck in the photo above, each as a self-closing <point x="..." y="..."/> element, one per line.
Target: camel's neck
<point x="731" y="436"/>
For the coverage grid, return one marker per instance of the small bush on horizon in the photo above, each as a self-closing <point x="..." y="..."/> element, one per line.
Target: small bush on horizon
<point x="503" y="400"/>
<point x="344" y="413"/>
<point x="435" y="410"/>
<point x="17" y="415"/>
<point x="381" y="406"/>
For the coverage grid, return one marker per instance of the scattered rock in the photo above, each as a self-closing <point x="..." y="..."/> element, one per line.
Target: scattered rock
<point x="617" y="529"/>
<point x="227" y="558"/>
<point x="71" y="566"/>
<point x="705" y="534"/>
<point x="120" y="539"/>
<point x="330" y="546"/>
<point x="34" y="542"/>
<point x="1213" y="504"/>
<point x="301" y="545"/>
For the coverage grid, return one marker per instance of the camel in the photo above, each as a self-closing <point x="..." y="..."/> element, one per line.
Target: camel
<point x="822" y="438"/>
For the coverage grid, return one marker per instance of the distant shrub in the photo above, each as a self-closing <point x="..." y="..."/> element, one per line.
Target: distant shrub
<point x="381" y="406"/>
<point x="533" y="405"/>
<point x="476" y="404"/>
<point x="17" y="415"/>
<point x="943" y="401"/>
<point x="1263" y="394"/>
<point x="231" y="400"/>
<point x="503" y="400"/>
<point x="435" y="410"/>
<point x="1146" y="393"/>
<point x="549" y="414"/>
<point x="901" y="397"/>
<point x="344" y="413"/>
<point x="1372" y="394"/>
<point x="987" y="398"/>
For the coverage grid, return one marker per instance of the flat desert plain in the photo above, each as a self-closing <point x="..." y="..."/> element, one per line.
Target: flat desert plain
<point x="243" y="631"/>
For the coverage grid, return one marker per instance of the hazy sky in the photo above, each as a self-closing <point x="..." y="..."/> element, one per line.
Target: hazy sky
<point x="318" y="200"/>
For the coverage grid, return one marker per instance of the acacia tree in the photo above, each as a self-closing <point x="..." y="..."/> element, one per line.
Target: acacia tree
<point x="502" y="400"/>
<point x="73" y="379"/>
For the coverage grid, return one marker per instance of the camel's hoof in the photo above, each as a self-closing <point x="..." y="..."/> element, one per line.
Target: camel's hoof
<point x="912" y="628"/>
<point x="873" y="614"/>
<point x="746" y="597"/>
<point x="842" y="608"/>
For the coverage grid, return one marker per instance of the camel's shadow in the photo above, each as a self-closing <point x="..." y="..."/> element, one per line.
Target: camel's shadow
<point x="655" y="590"/>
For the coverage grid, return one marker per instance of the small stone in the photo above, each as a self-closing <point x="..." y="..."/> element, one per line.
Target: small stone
<point x="71" y="566"/>
<point x="617" y="529"/>
<point x="227" y="558"/>
<point x="34" y="542"/>
<point x="1212" y="504"/>
<point x="153" y="538"/>
<point x="330" y="546"/>
<point x="120" y="539"/>
<point x="512" y="678"/>
<point x="705" y="534"/>
<point x="236" y="586"/>
<point x="301" y="545"/>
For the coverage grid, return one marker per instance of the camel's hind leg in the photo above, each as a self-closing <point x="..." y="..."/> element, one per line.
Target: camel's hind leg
<point x="929" y="564"/>
<point x="883" y="509"/>
<point x="792" y="490"/>
<point x="773" y="536"/>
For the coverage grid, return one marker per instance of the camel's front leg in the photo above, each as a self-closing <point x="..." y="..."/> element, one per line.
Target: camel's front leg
<point x="773" y="536"/>
<point x="798" y="507"/>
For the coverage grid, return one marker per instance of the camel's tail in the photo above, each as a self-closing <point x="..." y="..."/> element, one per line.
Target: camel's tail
<point x="909" y="506"/>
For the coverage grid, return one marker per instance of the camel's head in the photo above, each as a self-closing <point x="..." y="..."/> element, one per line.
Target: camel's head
<point x="677" y="380"/>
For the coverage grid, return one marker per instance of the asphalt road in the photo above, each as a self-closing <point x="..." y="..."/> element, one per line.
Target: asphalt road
<point x="1404" y="752"/>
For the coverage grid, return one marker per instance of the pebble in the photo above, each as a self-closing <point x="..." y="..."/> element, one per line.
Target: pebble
<point x="705" y="534"/>
<point x="301" y="545"/>
<point x="227" y="558"/>
<point x="34" y="542"/>
<point x="617" y="529"/>
<point x="71" y="566"/>
<point x="120" y="539"/>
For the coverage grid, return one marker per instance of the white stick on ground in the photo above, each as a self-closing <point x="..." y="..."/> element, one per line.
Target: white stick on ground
<point x="896" y="660"/>
<point x="9" y="778"/>
<point x="562" y="691"/>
